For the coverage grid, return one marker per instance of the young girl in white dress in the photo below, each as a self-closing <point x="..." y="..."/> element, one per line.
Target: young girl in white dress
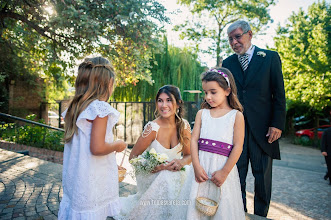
<point x="216" y="145"/>
<point x="170" y="134"/>
<point x="90" y="173"/>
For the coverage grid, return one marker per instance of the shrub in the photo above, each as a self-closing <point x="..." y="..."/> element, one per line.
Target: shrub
<point x="32" y="135"/>
<point x="306" y="142"/>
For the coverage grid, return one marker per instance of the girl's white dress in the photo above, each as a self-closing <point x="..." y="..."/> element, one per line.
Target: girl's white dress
<point x="90" y="183"/>
<point x="229" y="195"/>
<point x="157" y="193"/>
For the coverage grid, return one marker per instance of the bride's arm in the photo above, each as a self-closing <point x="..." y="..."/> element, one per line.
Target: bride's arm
<point x="142" y="144"/>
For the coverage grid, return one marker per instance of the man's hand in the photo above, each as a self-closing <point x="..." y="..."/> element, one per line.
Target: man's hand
<point x="273" y="134"/>
<point x="325" y="154"/>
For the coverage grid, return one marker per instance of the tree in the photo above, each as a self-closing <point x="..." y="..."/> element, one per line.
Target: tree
<point x="304" y="45"/>
<point x="211" y="18"/>
<point x="46" y="37"/>
<point x="172" y="65"/>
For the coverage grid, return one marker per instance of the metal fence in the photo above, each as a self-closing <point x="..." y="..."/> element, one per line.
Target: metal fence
<point x="134" y="116"/>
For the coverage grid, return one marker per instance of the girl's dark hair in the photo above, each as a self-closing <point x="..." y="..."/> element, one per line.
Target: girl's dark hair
<point x="174" y="93"/>
<point x="215" y="76"/>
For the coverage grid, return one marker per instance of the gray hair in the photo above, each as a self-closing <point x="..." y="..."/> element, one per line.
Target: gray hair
<point x="243" y="25"/>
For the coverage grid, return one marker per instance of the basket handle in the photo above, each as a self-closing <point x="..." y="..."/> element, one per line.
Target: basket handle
<point x="217" y="187"/>
<point x="126" y="149"/>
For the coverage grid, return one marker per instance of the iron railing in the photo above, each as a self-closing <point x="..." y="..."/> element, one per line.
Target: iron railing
<point x="29" y="121"/>
<point x="30" y="133"/>
<point x="133" y="117"/>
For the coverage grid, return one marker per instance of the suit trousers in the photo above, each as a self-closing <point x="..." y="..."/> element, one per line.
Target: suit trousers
<point x="261" y="165"/>
<point x="328" y="166"/>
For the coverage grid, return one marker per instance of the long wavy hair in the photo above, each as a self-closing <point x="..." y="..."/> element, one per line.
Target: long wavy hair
<point x="214" y="76"/>
<point x="95" y="78"/>
<point x="174" y="94"/>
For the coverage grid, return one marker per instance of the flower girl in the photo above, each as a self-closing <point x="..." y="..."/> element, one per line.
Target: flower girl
<point x="90" y="174"/>
<point x="216" y="145"/>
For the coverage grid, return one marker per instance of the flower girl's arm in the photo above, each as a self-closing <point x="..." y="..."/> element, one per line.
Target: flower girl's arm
<point x="238" y="142"/>
<point x="194" y="139"/>
<point x="142" y="144"/>
<point x="98" y="146"/>
<point x="186" y="149"/>
<point x="200" y="173"/>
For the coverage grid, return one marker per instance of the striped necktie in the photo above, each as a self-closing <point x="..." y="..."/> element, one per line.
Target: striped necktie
<point x="243" y="59"/>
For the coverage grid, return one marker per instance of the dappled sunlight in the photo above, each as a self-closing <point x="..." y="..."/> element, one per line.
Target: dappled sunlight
<point x="298" y="188"/>
<point x="277" y="211"/>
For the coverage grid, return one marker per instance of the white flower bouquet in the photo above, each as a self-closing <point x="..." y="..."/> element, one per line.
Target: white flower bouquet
<point x="147" y="161"/>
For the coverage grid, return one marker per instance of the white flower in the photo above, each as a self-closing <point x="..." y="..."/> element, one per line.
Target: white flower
<point x="143" y="161"/>
<point x="162" y="158"/>
<point x="152" y="151"/>
<point x="135" y="160"/>
<point x="261" y="53"/>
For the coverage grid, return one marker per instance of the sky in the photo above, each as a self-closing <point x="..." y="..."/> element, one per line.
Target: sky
<point x="278" y="12"/>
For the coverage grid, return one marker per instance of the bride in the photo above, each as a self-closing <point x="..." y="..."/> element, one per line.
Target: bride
<point x="169" y="133"/>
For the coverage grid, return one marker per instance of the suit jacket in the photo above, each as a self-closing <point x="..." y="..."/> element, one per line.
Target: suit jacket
<point x="326" y="141"/>
<point x="261" y="92"/>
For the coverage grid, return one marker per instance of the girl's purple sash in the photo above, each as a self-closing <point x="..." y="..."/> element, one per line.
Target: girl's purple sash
<point x="215" y="147"/>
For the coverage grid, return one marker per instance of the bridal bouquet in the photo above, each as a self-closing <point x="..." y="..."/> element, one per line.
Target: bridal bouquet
<point x="147" y="161"/>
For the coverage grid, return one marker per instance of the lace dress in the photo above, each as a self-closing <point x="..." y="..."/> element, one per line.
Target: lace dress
<point x="157" y="193"/>
<point x="90" y="183"/>
<point x="229" y="195"/>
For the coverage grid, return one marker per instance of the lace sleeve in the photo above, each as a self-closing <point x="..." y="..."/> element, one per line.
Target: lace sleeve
<point x="98" y="109"/>
<point x="149" y="127"/>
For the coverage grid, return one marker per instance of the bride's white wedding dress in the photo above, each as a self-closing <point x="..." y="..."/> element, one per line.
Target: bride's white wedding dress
<point x="158" y="193"/>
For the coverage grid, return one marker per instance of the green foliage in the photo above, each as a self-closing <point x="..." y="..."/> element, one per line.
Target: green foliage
<point x="306" y="142"/>
<point x="304" y="45"/>
<point x="211" y="17"/>
<point x="45" y="38"/>
<point x="174" y="66"/>
<point x="32" y="135"/>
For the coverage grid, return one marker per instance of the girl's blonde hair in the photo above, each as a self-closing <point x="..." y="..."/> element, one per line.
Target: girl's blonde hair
<point x="95" y="78"/>
<point x="222" y="82"/>
<point x="174" y="94"/>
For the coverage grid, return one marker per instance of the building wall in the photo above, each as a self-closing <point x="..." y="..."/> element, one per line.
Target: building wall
<point x="25" y="98"/>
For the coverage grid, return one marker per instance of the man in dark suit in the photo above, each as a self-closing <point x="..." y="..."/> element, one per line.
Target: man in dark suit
<point x="326" y="151"/>
<point x="259" y="79"/>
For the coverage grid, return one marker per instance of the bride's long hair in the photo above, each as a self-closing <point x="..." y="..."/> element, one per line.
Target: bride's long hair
<point x="174" y="94"/>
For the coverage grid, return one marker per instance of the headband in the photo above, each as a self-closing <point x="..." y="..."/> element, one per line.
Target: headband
<point x="222" y="74"/>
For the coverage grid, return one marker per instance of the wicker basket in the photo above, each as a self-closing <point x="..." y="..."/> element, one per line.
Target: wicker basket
<point x="121" y="169"/>
<point x="206" y="206"/>
<point x="121" y="173"/>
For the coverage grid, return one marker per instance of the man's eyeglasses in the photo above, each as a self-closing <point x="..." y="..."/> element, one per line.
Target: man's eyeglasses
<point x="237" y="37"/>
